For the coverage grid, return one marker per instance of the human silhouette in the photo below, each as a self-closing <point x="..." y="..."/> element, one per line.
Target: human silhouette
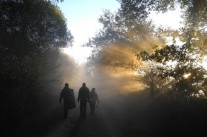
<point x="93" y="98"/>
<point x="68" y="96"/>
<point x="83" y="97"/>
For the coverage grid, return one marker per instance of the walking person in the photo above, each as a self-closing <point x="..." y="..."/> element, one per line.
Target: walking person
<point x="68" y="96"/>
<point x="92" y="100"/>
<point x="83" y="98"/>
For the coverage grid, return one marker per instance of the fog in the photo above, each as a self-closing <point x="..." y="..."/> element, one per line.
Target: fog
<point x="112" y="71"/>
<point x="114" y="78"/>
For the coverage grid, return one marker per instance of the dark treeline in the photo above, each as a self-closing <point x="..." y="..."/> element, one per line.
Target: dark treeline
<point x="31" y="34"/>
<point x="140" y="115"/>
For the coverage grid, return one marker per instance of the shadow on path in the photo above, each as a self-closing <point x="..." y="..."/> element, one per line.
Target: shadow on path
<point x="97" y="125"/>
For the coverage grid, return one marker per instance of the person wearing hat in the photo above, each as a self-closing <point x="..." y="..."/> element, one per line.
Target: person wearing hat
<point x="68" y="96"/>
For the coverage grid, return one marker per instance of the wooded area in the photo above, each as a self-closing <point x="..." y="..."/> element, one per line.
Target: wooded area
<point x="32" y="68"/>
<point x="159" y="66"/>
<point x="32" y="32"/>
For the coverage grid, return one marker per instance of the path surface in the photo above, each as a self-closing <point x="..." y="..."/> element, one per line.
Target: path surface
<point x="97" y="125"/>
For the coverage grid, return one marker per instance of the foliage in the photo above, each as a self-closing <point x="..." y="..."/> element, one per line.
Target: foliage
<point x="28" y="31"/>
<point x="194" y="15"/>
<point x="31" y="34"/>
<point x="188" y="75"/>
<point x="185" y="58"/>
<point x="195" y="19"/>
<point x="129" y="27"/>
<point x="148" y="73"/>
<point x="122" y="35"/>
<point x="120" y="29"/>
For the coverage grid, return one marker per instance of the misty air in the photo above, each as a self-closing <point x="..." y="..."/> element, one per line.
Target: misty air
<point x="103" y="68"/>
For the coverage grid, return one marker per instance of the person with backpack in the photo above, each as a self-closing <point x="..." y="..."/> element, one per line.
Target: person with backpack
<point x="68" y="96"/>
<point x="93" y="98"/>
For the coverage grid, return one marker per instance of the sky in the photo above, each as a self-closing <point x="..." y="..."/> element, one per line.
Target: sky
<point x="82" y="20"/>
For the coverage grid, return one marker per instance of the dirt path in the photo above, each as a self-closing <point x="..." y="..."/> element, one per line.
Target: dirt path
<point x="97" y="125"/>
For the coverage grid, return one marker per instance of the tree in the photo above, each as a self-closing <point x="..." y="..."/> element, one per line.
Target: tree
<point x="29" y="30"/>
<point x="122" y="34"/>
<point x="148" y="73"/>
<point x="193" y="34"/>
<point x="194" y="15"/>
<point x="187" y="74"/>
<point x="31" y="34"/>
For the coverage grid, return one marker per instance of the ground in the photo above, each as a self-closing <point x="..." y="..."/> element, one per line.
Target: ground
<point x="96" y="125"/>
<point x="132" y="115"/>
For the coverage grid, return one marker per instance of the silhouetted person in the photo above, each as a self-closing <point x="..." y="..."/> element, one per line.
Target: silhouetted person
<point x="68" y="96"/>
<point x="83" y="97"/>
<point x="93" y="99"/>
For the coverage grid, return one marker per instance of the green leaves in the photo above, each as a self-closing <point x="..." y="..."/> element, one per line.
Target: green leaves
<point x="187" y="74"/>
<point x="30" y="29"/>
<point x="39" y="23"/>
<point x="31" y="33"/>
